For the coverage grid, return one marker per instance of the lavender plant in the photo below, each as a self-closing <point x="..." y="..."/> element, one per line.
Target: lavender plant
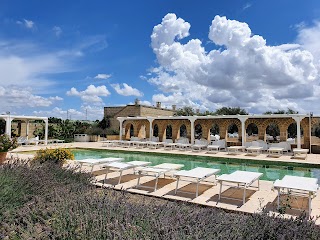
<point x="62" y="204"/>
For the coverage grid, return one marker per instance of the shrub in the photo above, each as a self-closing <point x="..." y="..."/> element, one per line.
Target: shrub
<point x="54" y="155"/>
<point x="58" y="203"/>
<point x="7" y="144"/>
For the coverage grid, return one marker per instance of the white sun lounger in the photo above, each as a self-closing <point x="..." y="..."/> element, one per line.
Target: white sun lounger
<point x="300" y="153"/>
<point x="169" y="146"/>
<point x="300" y="186"/>
<point x="121" y="166"/>
<point x="198" y="174"/>
<point x="154" y="145"/>
<point x="92" y="162"/>
<point x="235" y="149"/>
<point x="157" y="171"/>
<point x="183" y="146"/>
<point x="241" y="178"/>
<point x="108" y="143"/>
<point x="275" y="151"/>
<point x="254" y="150"/>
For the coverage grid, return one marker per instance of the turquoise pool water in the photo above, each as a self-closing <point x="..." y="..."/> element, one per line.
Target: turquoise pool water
<point x="270" y="172"/>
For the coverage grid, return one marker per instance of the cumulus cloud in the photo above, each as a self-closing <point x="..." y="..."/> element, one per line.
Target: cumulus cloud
<point x="242" y="71"/>
<point x="126" y="90"/>
<point x="91" y="94"/>
<point x="26" y="23"/>
<point x="16" y="98"/>
<point x="102" y="76"/>
<point x="308" y="37"/>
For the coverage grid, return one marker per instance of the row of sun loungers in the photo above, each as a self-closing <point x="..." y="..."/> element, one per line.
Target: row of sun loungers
<point x="301" y="186"/>
<point x="252" y="148"/>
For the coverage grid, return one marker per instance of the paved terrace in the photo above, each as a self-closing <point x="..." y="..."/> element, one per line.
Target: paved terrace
<point x="208" y="192"/>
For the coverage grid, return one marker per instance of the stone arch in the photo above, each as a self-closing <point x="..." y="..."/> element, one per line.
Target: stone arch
<point x="198" y="131"/>
<point x="129" y="130"/>
<point x="183" y="132"/>
<point x="169" y="131"/>
<point x="252" y="132"/>
<point x="272" y="128"/>
<point x="128" y="126"/>
<point x="227" y="124"/>
<point x="292" y="130"/>
<point x="155" y="130"/>
<point x="142" y="129"/>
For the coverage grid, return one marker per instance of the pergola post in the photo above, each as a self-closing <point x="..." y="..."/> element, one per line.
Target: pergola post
<point x="120" y="132"/>
<point x="46" y="121"/>
<point x="243" y="128"/>
<point x="27" y="129"/>
<point x="150" y="128"/>
<point x="8" y="125"/>
<point x="298" y="120"/>
<point x="192" y="120"/>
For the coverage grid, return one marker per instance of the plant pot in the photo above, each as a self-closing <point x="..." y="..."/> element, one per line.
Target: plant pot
<point x="3" y="156"/>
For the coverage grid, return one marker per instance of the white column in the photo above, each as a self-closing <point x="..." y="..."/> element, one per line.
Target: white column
<point x="45" y="131"/>
<point x="27" y="129"/>
<point x="192" y="119"/>
<point x="120" y="133"/>
<point x="151" y="129"/>
<point x="243" y="129"/>
<point x="298" y="120"/>
<point x="8" y="125"/>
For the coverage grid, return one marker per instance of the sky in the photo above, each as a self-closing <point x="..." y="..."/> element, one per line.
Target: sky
<point x="69" y="59"/>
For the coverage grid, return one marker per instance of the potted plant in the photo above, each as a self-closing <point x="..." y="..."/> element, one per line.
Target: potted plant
<point x="6" y="144"/>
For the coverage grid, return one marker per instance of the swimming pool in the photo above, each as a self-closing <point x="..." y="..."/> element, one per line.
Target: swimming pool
<point x="270" y="172"/>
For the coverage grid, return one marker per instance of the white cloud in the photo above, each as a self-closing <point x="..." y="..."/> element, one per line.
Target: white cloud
<point x="85" y="112"/>
<point x="127" y="90"/>
<point x="309" y="37"/>
<point x="244" y="72"/>
<point x="102" y="76"/>
<point x="92" y="94"/>
<point x="57" y="31"/>
<point x="16" y="98"/>
<point x="26" y="23"/>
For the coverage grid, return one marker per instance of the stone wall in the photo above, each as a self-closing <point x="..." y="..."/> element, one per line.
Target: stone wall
<point x="133" y="111"/>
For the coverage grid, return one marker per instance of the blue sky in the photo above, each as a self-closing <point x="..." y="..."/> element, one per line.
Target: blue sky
<point x="72" y="57"/>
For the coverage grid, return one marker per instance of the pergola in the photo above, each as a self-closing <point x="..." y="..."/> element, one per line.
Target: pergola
<point x="284" y="120"/>
<point x="9" y="118"/>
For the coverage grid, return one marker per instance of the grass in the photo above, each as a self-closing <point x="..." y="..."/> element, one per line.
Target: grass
<point x="47" y="202"/>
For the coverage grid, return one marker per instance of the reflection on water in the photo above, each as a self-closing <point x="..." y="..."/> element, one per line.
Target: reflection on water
<point x="270" y="172"/>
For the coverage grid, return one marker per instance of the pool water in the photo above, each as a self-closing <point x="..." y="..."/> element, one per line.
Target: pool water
<point x="270" y="172"/>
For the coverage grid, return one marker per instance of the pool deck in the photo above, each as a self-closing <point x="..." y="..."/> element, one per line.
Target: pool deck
<point x="256" y="200"/>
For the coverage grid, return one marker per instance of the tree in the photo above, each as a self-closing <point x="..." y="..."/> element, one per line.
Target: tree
<point x="54" y="120"/>
<point x="185" y="111"/>
<point x="230" y="111"/>
<point x="289" y="111"/>
<point x="104" y="123"/>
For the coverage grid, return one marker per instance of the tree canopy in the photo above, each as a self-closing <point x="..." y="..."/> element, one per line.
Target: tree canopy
<point x="188" y="111"/>
<point x="288" y="111"/>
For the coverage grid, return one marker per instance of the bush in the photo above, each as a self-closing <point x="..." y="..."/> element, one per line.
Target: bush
<point x="7" y="144"/>
<point x="55" y="155"/>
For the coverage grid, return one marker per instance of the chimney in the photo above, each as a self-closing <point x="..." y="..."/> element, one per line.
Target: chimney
<point x="174" y="107"/>
<point x="158" y="104"/>
<point x="197" y="111"/>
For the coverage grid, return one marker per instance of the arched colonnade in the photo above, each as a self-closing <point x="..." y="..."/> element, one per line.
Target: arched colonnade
<point x="234" y="128"/>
